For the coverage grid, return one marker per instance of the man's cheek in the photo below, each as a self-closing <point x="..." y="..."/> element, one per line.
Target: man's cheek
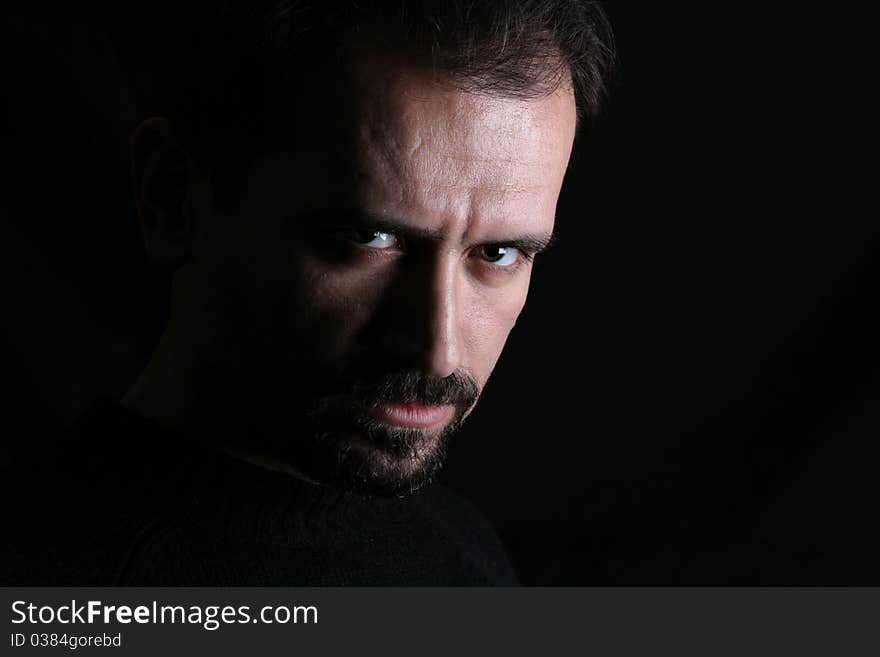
<point x="488" y="341"/>
<point x="493" y="318"/>
<point x="482" y="346"/>
<point x="332" y="313"/>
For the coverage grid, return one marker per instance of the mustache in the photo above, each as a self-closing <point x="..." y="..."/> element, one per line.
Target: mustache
<point x="414" y="387"/>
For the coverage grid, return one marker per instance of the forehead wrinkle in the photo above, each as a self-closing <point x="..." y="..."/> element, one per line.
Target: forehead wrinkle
<point x="509" y="189"/>
<point x="494" y="160"/>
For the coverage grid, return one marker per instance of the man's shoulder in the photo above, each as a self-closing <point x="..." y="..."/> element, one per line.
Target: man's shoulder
<point x="458" y="520"/>
<point x="74" y="500"/>
<point x="58" y="531"/>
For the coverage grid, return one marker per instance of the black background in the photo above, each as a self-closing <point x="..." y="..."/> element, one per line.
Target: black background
<point x="691" y="393"/>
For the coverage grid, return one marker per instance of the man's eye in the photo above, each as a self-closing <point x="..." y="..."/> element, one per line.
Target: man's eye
<point x="500" y="256"/>
<point x="375" y="239"/>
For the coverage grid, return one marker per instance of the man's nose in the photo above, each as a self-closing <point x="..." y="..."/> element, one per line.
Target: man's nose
<point x="427" y="314"/>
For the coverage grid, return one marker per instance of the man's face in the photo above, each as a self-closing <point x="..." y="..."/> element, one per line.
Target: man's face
<point x="355" y="304"/>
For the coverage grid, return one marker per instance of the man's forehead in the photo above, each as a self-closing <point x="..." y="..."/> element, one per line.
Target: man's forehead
<point x="394" y="96"/>
<point x="389" y="93"/>
<point x="422" y="145"/>
<point x="402" y="142"/>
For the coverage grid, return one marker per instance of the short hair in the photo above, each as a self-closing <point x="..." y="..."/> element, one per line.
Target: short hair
<point x="220" y="84"/>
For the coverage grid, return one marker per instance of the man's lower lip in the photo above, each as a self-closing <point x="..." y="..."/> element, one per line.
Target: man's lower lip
<point x="418" y="416"/>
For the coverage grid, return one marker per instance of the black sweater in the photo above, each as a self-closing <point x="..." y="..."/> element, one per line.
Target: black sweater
<point x="123" y="502"/>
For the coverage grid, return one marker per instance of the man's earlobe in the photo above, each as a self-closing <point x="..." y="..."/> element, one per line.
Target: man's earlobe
<point x="162" y="177"/>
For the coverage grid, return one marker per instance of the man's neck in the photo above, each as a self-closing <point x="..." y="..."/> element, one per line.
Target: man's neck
<point x="163" y="391"/>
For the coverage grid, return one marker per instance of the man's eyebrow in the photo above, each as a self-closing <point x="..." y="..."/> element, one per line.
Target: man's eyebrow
<point x="385" y="224"/>
<point x="527" y="243"/>
<point x="533" y="244"/>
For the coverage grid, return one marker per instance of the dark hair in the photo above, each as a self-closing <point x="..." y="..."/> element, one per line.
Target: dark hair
<point x="226" y="73"/>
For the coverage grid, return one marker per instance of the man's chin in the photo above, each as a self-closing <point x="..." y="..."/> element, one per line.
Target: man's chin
<point x="376" y="471"/>
<point x="376" y="460"/>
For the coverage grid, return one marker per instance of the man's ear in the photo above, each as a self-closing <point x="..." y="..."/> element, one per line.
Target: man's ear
<point x="163" y="176"/>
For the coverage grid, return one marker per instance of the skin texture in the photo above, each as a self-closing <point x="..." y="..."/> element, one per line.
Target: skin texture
<point x="289" y="311"/>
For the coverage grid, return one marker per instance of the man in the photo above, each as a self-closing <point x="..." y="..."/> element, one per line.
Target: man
<point x="350" y="197"/>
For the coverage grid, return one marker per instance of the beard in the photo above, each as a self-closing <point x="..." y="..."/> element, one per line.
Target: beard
<point x="341" y="445"/>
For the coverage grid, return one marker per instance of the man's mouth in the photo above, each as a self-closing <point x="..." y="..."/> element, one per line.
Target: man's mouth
<point x="411" y="416"/>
